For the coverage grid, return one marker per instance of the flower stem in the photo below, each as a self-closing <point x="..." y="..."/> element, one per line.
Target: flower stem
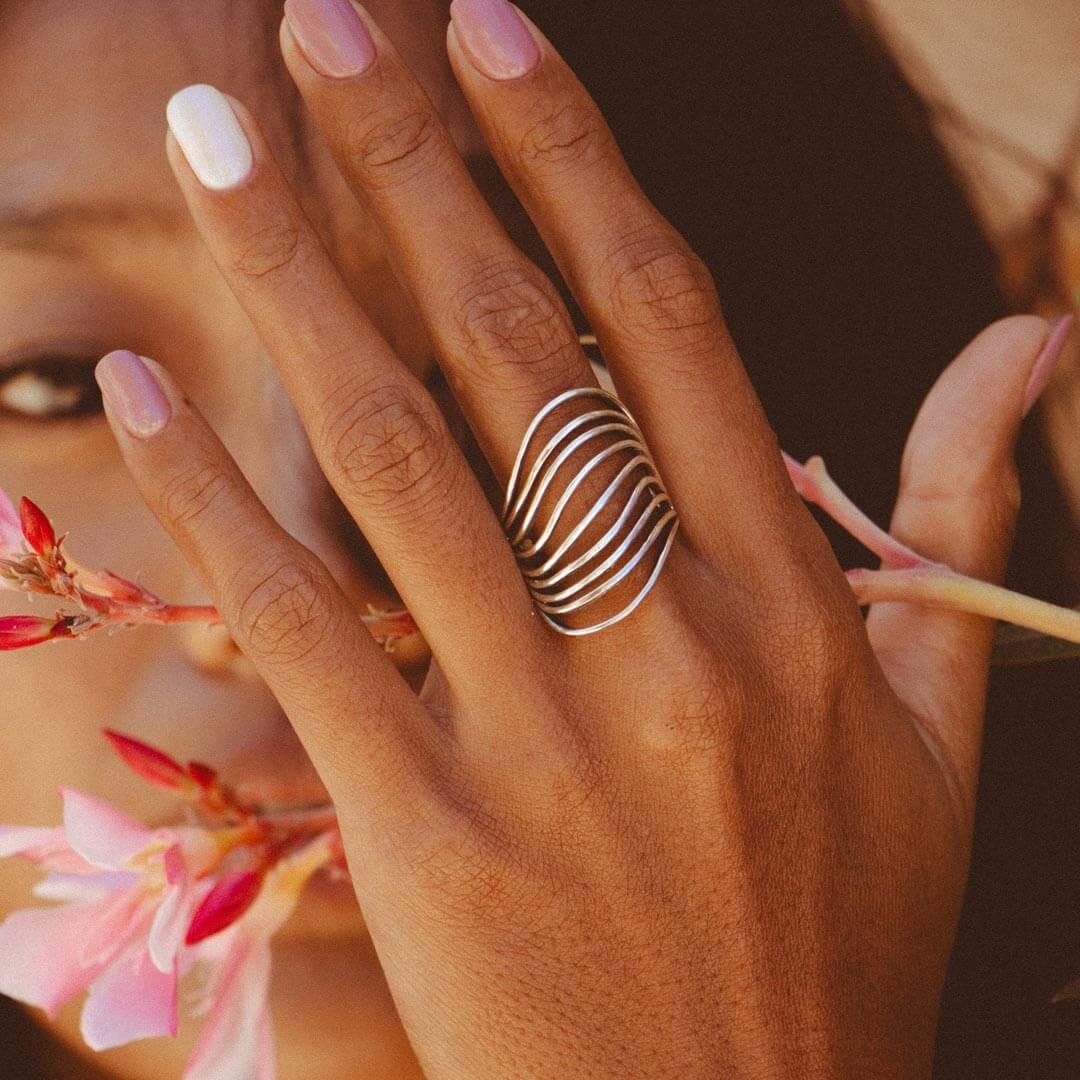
<point x="813" y="482"/>
<point x="166" y="613"/>
<point x="944" y="588"/>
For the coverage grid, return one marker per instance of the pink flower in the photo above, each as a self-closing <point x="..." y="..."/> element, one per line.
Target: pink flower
<point x="141" y="908"/>
<point x="129" y="893"/>
<point x="237" y="1039"/>
<point x="33" y="559"/>
<point x="11" y="534"/>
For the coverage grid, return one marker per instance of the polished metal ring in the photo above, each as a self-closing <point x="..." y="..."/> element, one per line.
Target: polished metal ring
<point x="563" y="581"/>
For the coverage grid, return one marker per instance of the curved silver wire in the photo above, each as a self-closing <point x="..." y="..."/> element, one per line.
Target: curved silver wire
<point x="561" y="581"/>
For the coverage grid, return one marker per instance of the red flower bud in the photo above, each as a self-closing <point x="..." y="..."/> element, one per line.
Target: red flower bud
<point x="202" y="774"/>
<point x="151" y="764"/>
<point x="19" y="631"/>
<point x="232" y="895"/>
<point x="36" y="528"/>
<point x="106" y="583"/>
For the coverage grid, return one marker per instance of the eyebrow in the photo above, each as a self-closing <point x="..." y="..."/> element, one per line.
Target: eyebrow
<point x="61" y="228"/>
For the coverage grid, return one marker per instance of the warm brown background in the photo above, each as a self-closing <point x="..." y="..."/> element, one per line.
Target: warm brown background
<point x="786" y="148"/>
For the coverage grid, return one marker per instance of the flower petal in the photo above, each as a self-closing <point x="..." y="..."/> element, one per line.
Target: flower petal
<point x="20" y="839"/>
<point x="131" y="1000"/>
<point x="170" y="925"/>
<point x="235" y="1040"/>
<point x="46" y="847"/>
<point x="122" y="915"/>
<point x="77" y="887"/>
<point x="41" y="950"/>
<point x="284" y="884"/>
<point x="100" y="833"/>
<point x="11" y="536"/>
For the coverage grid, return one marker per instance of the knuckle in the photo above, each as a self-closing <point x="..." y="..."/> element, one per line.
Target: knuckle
<point x="190" y="493"/>
<point x="387" y="446"/>
<point x="710" y="696"/>
<point x="393" y="145"/>
<point x="988" y="488"/>
<point x="513" y="324"/>
<point x="812" y="629"/>
<point x="662" y="291"/>
<point x="818" y="649"/>
<point x="283" y="611"/>
<point x="565" y="136"/>
<point x="272" y="248"/>
<point x="701" y="719"/>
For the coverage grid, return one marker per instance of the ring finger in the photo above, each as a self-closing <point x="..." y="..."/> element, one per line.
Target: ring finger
<point x="506" y="340"/>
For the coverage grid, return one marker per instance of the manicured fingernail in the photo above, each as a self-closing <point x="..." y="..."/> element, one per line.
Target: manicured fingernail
<point x="495" y="38"/>
<point x="204" y="124"/>
<point x="331" y="35"/>
<point x="132" y="394"/>
<point x="1044" y="365"/>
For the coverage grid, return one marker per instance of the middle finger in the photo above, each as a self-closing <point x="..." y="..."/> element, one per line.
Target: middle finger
<point x="507" y="342"/>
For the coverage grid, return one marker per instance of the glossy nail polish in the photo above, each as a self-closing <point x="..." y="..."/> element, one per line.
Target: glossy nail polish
<point x="1046" y="362"/>
<point x="331" y="35"/>
<point x="132" y="394"/>
<point x="203" y="123"/>
<point x="495" y="38"/>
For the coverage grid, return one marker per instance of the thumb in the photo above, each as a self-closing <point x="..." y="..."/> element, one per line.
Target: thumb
<point x="958" y="501"/>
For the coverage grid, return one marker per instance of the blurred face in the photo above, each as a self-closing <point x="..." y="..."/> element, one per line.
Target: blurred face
<point x="96" y="252"/>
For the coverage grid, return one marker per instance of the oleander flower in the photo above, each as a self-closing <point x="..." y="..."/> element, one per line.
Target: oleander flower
<point x="129" y="894"/>
<point x="137" y="909"/>
<point x="237" y="1037"/>
<point x="33" y="559"/>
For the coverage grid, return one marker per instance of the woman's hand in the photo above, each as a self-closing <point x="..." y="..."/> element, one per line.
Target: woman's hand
<point x="727" y="836"/>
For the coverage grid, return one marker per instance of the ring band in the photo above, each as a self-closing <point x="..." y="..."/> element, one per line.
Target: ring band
<point x="560" y="582"/>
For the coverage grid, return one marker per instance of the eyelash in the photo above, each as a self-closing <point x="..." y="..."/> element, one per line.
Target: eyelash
<point x="50" y="388"/>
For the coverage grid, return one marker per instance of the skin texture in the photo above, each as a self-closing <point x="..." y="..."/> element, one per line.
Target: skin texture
<point x="729" y="836"/>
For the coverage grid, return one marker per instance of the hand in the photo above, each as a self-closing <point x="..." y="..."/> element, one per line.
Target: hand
<point x="727" y="836"/>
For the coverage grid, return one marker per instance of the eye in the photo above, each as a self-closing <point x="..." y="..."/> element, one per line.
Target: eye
<point x="50" y="388"/>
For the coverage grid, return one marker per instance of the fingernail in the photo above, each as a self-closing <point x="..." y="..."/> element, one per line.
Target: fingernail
<point x="495" y="38"/>
<point x="204" y="124"/>
<point x="132" y="394"/>
<point x="1046" y="361"/>
<point x="331" y="35"/>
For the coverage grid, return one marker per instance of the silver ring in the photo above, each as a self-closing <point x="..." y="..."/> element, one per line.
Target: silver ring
<point x="562" y="582"/>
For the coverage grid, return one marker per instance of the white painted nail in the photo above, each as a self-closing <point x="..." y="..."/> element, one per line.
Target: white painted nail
<point x="204" y="124"/>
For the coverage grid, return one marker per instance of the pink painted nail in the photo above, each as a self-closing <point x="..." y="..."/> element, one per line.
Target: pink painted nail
<point x="331" y="35"/>
<point x="1046" y="361"/>
<point x="495" y="38"/>
<point x="132" y="394"/>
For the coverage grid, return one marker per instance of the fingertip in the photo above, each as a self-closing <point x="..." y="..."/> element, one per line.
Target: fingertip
<point x="133" y="394"/>
<point x="1046" y="362"/>
<point x="208" y="127"/>
<point x="983" y="389"/>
